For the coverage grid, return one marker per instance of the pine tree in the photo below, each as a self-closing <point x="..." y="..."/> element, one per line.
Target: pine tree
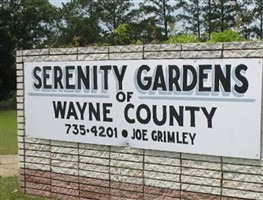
<point x="257" y="28"/>
<point x="208" y="17"/>
<point x="115" y="12"/>
<point x="161" y="12"/>
<point x="192" y="15"/>
<point x="220" y="15"/>
<point x="80" y="24"/>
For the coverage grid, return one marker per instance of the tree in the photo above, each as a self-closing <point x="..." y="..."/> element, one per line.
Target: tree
<point x="243" y="17"/>
<point x="147" y="31"/>
<point x="115" y="12"/>
<point x="221" y="15"/>
<point x="80" y="20"/>
<point x="7" y="47"/>
<point x="24" y="24"/>
<point x="209" y="17"/>
<point x="257" y="11"/>
<point x="160" y="12"/>
<point x="192" y="15"/>
<point x="34" y="23"/>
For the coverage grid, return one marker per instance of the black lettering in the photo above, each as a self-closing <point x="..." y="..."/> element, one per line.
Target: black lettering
<point x="192" y="137"/>
<point x="94" y="111"/>
<point x="95" y="78"/>
<point x="203" y="76"/>
<point x="37" y="85"/>
<point x="189" y="72"/>
<point x="184" y="134"/>
<point x="223" y="78"/>
<point x="160" y="136"/>
<point x="69" y="76"/>
<point x="244" y="87"/>
<point x="72" y="111"/>
<point x="154" y="136"/>
<point x="209" y="116"/>
<point x="192" y="110"/>
<point x="175" y="115"/>
<point x="58" y="74"/>
<point x="134" y="134"/>
<point x="147" y="81"/>
<point x="174" y="75"/>
<point x="155" y="113"/>
<point x="105" y="69"/>
<point x="139" y="115"/>
<point x="178" y="138"/>
<point x="59" y="109"/>
<point x="170" y="137"/>
<point x="106" y="111"/>
<point x="119" y="75"/>
<point x="127" y="108"/>
<point x="84" y="77"/>
<point x="81" y="109"/>
<point x="46" y="76"/>
<point x="159" y="81"/>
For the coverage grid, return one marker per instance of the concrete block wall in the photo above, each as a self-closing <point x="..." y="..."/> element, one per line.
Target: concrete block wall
<point x="83" y="171"/>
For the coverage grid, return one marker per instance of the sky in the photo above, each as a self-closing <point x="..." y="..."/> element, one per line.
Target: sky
<point x="58" y="3"/>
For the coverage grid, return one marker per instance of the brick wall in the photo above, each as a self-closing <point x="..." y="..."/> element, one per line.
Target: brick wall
<point x="83" y="171"/>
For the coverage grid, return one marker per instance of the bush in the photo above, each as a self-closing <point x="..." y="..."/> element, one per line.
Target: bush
<point x="225" y="36"/>
<point x="182" y="39"/>
<point x="121" y="35"/>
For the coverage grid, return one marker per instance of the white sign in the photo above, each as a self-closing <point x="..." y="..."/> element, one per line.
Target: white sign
<point x="205" y="106"/>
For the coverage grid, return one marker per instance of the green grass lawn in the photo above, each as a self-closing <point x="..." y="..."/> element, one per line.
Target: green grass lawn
<point x="8" y="132"/>
<point x="9" y="188"/>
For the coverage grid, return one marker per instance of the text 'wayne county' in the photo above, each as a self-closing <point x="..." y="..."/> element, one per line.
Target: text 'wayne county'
<point x="144" y="114"/>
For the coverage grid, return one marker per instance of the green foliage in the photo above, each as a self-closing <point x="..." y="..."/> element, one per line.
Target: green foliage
<point x="146" y="31"/>
<point x="258" y="18"/>
<point x="8" y="130"/>
<point x="191" y="15"/>
<point x="182" y="39"/>
<point x="7" y="52"/>
<point x="23" y="25"/>
<point x="115" y="12"/>
<point x="137" y="42"/>
<point x="226" y="36"/>
<point x="36" y="22"/>
<point x="162" y="11"/>
<point x="121" y="35"/>
<point x="79" y="25"/>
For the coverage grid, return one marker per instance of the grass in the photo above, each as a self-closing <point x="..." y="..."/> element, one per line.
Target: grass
<point x="8" y="132"/>
<point x="9" y="190"/>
